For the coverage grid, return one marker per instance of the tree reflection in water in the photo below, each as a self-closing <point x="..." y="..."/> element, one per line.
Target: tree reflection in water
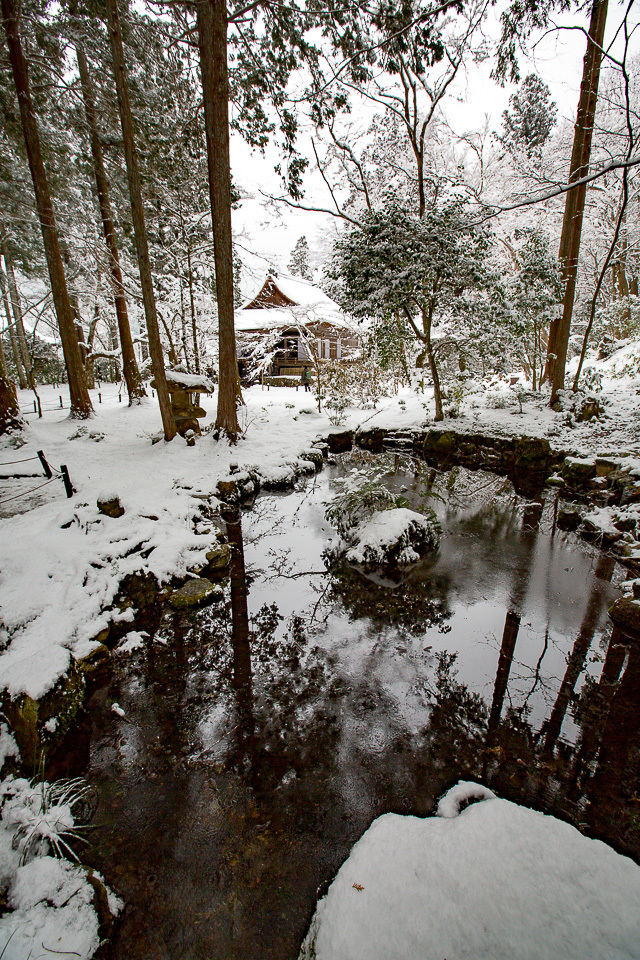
<point x="260" y="745"/>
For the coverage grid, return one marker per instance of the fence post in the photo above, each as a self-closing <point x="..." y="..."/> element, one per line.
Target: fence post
<point x="67" y="482"/>
<point x="45" y="465"/>
<point x="35" y="409"/>
<point x="60" y="399"/>
<point x="99" y="398"/>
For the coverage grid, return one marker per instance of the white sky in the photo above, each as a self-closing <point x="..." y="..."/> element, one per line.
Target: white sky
<point x="270" y="235"/>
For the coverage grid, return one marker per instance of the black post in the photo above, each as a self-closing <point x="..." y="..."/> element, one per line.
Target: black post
<point x="119" y="398"/>
<point x="35" y="409"/>
<point x="67" y="482"/>
<point x="60" y="399"/>
<point x="45" y="465"/>
<point x="99" y="398"/>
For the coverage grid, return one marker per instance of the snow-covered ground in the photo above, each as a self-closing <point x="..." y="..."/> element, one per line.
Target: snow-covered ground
<point x="61" y="560"/>
<point x="495" y="882"/>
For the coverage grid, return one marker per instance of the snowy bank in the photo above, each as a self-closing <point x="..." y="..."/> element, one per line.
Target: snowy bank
<point x="54" y="907"/>
<point x="496" y="882"/>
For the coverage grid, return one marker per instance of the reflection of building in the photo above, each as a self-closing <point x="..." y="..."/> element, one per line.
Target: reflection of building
<point x="288" y="325"/>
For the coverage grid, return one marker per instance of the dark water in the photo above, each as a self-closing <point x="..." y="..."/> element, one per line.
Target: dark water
<point x="245" y="770"/>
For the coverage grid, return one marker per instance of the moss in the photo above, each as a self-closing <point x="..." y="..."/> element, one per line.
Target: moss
<point x="28" y="717"/>
<point x="195" y="593"/>
<point x="219" y="557"/>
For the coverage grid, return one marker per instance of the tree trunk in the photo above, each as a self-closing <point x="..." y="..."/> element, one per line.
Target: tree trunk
<point x="575" y="201"/>
<point x="80" y="401"/>
<point x="131" y="373"/>
<point x="139" y="226"/>
<point x="16" y="307"/>
<point x="3" y="365"/>
<point x="9" y="409"/>
<point x="212" y="41"/>
<point x="194" y="325"/>
<point x="427" y="317"/>
<point x="13" y="340"/>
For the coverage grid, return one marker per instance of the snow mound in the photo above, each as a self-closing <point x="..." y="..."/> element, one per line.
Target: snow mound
<point x="496" y="882"/>
<point x="399" y="536"/>
<point x="51" y="902"/>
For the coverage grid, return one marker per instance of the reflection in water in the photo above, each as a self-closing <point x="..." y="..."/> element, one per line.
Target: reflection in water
<point x="264" y="736"/>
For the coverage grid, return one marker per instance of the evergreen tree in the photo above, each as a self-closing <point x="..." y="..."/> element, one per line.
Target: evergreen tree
<point x="422" y="271"/>
<point x="299" y="262"/>
<point x="80" y="401"/>
<point x="528" y="125"/>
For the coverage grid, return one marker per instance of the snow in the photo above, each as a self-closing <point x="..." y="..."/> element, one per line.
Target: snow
<point x="483" y="885"/>
<point x="386" y="529"/>
<point x="61" y="561"/>
<point x="50" y="901"/>
<point x="193" y="381"/>
<point x="311" y="306"/>
<point x="8" y="746"/>
<point x="134" y="640"/>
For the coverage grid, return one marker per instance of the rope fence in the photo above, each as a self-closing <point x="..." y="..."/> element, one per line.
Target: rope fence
<point x="50" y="472"/>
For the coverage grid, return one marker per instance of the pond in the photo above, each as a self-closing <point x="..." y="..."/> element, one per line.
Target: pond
<point x="251" y="759"/>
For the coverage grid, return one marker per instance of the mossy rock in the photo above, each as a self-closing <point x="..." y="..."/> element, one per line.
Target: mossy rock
<point x="219" y="557"/>
<point x="372" y="439"/>
<point x="578" y="472"/>
<point x="227" y="490"/>
<point x="95" y="663"/>
<point x="140" y="588"/>
<point x="110" y="506"/>
<point x="568" y="518"/>
<point x="532" y="453"/>
<point x="39" y="726"/>
<point x="440" y="443"/>
<point x="314" y="456"/>
<point x="340" y="442"/>
<point x="195" y="593"/>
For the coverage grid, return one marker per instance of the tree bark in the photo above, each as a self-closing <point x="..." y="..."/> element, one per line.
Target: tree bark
<point x="131" y="373"/>
<point x="13" y="340"/>
<point x="212" y="41"/>
<point x="139" y="226"/>
<point x="575" y="201"/>
<point x="80" y="401"/>
<point x="16" y="309"/>
<point x="9" y="409"/>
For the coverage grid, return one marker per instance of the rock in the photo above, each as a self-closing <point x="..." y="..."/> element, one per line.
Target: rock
<point x="605" y="466"/>
<point x="219" y="557"/>
<point x="314" y="456"/>
<point x="578" y="472"/>
<point x="340" y="442"/>
<point x="569" y="518"/>
<point x="190" y="438"/>
<point x="140" y="588"/>
<point x="39" y="726"/>
<point x="227" y="490"/>
<point x="588" y="408"/>
<point x="372" y="439"/>
<point x="110" y="506"/>
<point x="195" y="593"/>
<point x="95" y="662"/>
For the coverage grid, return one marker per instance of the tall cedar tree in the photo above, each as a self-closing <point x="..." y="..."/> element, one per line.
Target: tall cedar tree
<point x="574" y="205"/>
<point x="212" y="41"/>
<point x="80" y="401"/>
<point x="130" y="369"/>
<point x="139" y="226"/>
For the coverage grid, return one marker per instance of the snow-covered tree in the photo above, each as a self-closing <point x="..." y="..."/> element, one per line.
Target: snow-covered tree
<point x="532" y="117"/>
<point x="299" y="262"/>
<point x="421" y="273"/>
